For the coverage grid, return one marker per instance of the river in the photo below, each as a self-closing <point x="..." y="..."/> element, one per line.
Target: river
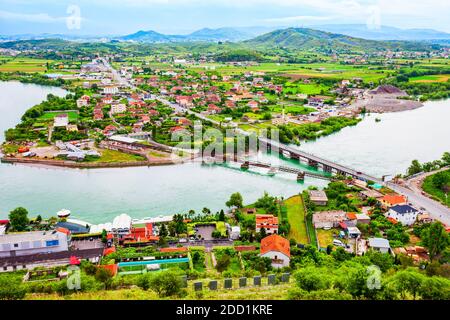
<point x="99" y="195"/>
<point x="388" y="147"/>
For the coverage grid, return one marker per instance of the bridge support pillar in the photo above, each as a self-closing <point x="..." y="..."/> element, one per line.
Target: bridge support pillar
<point x="301" y="176"/>
<point x="313" y="163"/>
<point x="245" y="165"/>
<point x="327" y="169"/>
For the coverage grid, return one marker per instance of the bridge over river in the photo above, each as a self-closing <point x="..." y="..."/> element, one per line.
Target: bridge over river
<point x="317" y="162"/>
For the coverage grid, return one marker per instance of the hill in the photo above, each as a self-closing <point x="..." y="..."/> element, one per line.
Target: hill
<point x="310" y="39"/>
<point x="221" y="34"/>
<point x="151" y="36"/>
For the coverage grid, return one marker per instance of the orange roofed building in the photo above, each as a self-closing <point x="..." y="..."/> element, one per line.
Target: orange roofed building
<point x="277" y="249"/>
<point x="391" y="200"/>
<point x="141" y="235"/>
<point x="268" y="222"/>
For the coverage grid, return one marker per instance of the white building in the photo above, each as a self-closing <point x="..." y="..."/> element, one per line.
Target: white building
<point x="28" y="243"/>
<point x="61" y="120"/>
<point x="234" y="232"/>
<point x="277" y="249"/>
<point x="118" y="108"/>
<point x="379" y="244"/>
<point x="121" y="225"/>
<point x="405" y="214"/>
<point x="110" y="90"/>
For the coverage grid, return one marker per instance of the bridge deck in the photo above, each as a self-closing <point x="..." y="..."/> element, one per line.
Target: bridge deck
<point x="331" y="164"/>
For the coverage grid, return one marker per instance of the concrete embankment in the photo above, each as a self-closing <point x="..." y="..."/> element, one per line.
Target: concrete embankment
<point x="87" y="165"/>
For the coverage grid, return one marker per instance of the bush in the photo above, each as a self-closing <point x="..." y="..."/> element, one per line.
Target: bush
<point x="11" y="290"/>
<point x="165" y="284"/>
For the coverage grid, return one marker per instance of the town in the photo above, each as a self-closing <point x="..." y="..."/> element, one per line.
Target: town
<point x="130" y="104"/>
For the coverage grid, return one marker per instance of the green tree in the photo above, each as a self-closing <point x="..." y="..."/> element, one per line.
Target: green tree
<point x="408" y="281"/>
<point x="414" y="168"/>
<point x="18" y="218"/>
<point x="105" y="276"/>
<point x="435" y="239"/>
<point x="166" y="283"/>
<point x="221" y="215"/>
<point x="446" y="159"/>
<point x="312" y="279"/>
<point x="435" y="288"/>
<point x="235" y="201"/>
<point x="223" y="262"/>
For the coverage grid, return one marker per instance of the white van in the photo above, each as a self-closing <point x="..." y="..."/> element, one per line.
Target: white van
<point x="338" y="243"/>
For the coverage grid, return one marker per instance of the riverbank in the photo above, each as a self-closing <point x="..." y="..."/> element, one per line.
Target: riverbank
<point x="89" y="165"/>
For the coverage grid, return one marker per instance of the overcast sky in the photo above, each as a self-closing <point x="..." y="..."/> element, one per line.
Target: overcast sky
<point x="184" y="16"/>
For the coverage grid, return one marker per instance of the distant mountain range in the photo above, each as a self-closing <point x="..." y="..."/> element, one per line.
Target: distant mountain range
<point x="205" y="34"/>
<point x="384" y="32"/>
<point x="237" y="34"/>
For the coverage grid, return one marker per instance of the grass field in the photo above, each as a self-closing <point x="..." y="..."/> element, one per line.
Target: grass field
<point x="310" y="89"/>
<point x="325" y="237"/>
<point x="314" y="70"/>
<point x="431" y="78"/>
<point x="296" y="218"/>
<point x="109" y="156"/>
<point x="49" y="116"/>
<point x="430" y="188"/>
<point x="25" y="65"/>
<point x="277" y="292"/>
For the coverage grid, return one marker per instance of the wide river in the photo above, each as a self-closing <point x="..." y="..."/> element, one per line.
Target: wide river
<point x="99" y="195"/>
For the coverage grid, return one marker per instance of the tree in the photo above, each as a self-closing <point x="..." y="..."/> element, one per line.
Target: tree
<point x="262" y="234"/>
<point x="408" y="281"/>
<point x="18" y="218"/>
<point x="446" y="159"/>
<point x="415" y="167"/>
<point x="312" y="279"/>
<point x="105" y="276"/>
<point x="235" y="201"/>
<point x="435" y="239"/>
<point x="223" y="262"/>
<point x="435" y="288"/>
<point x="165" y="284"/>
<point x="216" y="234"/>
<point x="221" y="215"/>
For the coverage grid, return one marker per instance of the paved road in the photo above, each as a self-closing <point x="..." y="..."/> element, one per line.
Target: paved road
<point x="436" y="210"/>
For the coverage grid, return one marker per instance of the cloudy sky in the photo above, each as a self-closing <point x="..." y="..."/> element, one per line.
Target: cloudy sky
<point x="89" y="17"/>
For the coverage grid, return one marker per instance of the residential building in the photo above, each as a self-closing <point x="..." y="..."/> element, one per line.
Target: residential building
<point x="362" y="218"/>
<point x="277" y="249"/>
<point x="391" y="200"/>
<point x="61" y="120"/>
<point x="405" y="214"/>
<point x="121" y="225"/>
<point x="110" y="90"/>
<point x="36" y="242"/>
<point x="318" y="197"/>
<point x="328" y="219"/>
<point x="118" y="108"/>
<point x="268" y="222"/>
<point x="379" y="244"/>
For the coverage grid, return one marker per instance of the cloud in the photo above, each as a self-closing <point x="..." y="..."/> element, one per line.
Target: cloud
<point x="299" y="19"/>
<point x="35" y="17"/>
